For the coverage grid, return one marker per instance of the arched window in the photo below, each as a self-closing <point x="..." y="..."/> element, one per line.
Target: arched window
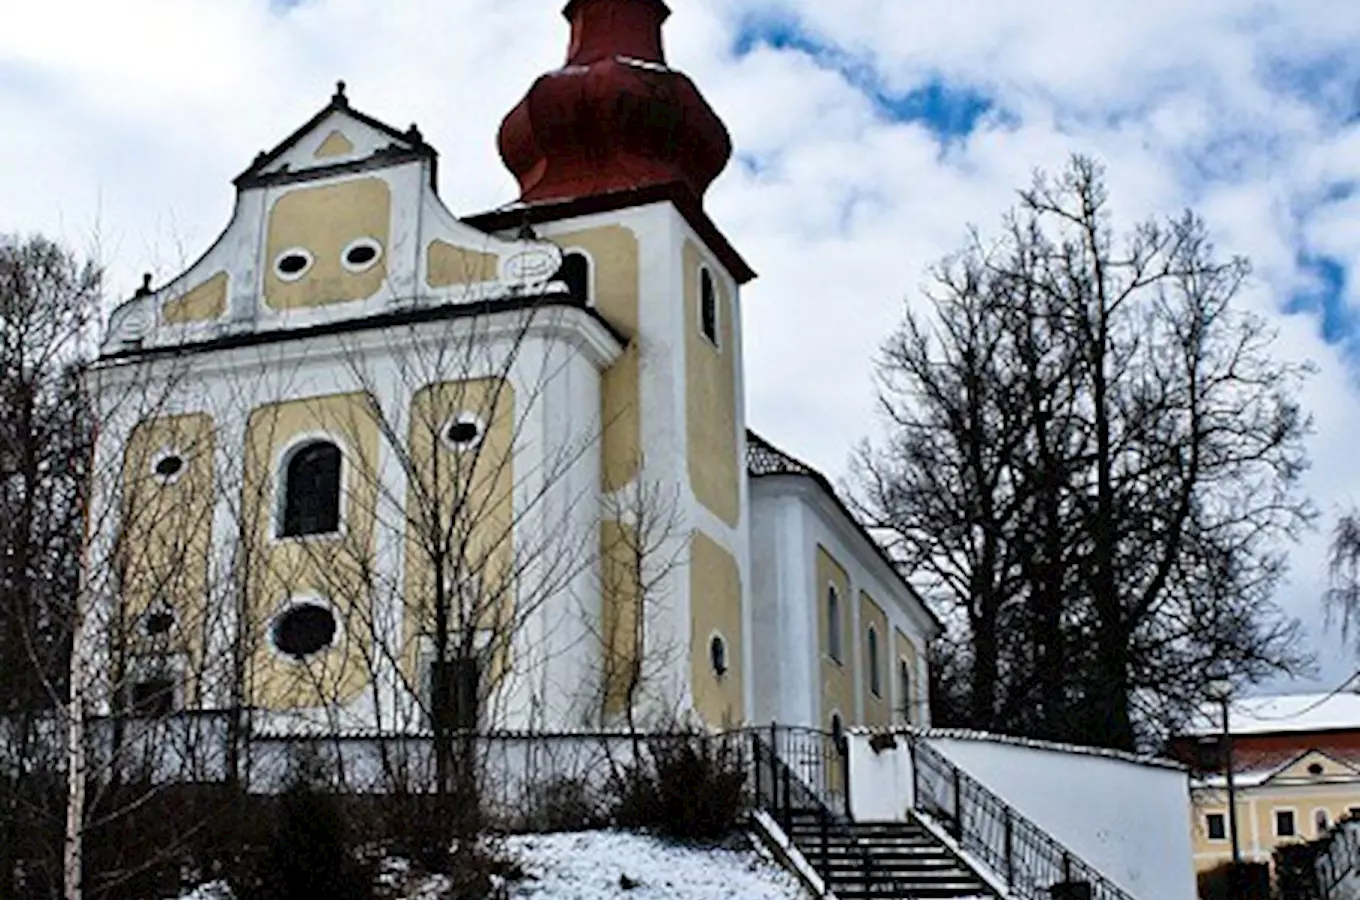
<point x="311" y="491"/>
<point x="575" y="273"/>
<point x="717" y="654"/>
<point x="833" y="622"/>
<point x="837" y="730"/>
<point x="875" y="676"/>
<point x="904" y="687"/>
<point x="708" y="306"/>
<point x="1321" y="822"/>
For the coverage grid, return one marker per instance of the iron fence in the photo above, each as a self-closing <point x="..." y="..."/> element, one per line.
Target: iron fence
<point x="1030" y="861"/>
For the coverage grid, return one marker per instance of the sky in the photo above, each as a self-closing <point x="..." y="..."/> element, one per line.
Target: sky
<point x="869" y="135"/>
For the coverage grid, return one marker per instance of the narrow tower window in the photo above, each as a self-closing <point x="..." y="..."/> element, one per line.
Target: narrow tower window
<point x="708" y="306"/>
<point x="904" y="686"/>
<point x="311" y="491"/>
<point x="833" y="622"/>
<point x="575" y="273"/>
<point x="717" y="655"/>
<point x="875" y="677"/>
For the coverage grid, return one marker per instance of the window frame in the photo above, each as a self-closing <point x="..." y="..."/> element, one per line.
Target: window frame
<point x="1293" y="818"/>
<point x="834" y="632"/>
<point x="1326" y="815"/>
<point x="284" y="458"/>
<point x="590" y="273"/>
<point x="292" y="601"/>
<point x="426" y="658"/>
<point x="715" y="638"/>
<point x="706" y="277"/>
<point x="905" y="680"/>
<point x="874" y="660"/>
<point x="1222" y="820"/>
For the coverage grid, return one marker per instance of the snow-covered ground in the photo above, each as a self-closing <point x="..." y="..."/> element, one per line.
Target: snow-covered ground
<point x="604" y="865"/>
<point x="597" y="865"/>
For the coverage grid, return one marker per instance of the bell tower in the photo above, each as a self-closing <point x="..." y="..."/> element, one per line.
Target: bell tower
<point x="614" y="153"/>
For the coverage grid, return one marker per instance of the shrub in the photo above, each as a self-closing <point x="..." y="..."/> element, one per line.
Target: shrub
<point x="1295" y="875"/>
<point x="1252" y="880"/>
<point x="688" y="787"/>
<point x="562" y="804"/>
<point x="310" y="855"/>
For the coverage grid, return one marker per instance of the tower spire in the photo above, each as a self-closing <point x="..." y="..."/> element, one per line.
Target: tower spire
<point x="617" y="117"/>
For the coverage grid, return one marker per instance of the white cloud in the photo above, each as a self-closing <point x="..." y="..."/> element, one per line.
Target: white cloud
<point x="131" y="118"/>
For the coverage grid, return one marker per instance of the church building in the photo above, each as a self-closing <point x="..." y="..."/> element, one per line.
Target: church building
<point x="373" y="464"/>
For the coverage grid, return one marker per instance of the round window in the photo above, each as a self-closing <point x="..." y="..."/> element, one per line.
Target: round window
<point x="158" y="622"/>
<point x="361" y="254"/>
<point x="303" y="630"/>
<point x="717" y="654"/>
<point x="168" y="467"/>
<point x="464" y="432"/>
<point x="1315" y="769"/>
<point x="292" y="264"/>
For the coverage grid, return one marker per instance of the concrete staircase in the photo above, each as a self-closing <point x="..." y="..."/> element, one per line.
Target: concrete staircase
<point x="883" y="860"/>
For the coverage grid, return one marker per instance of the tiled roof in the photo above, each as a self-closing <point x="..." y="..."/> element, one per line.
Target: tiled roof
<point x="764" y="458"/>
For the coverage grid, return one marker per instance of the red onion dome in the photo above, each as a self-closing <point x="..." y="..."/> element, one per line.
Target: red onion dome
<point x="616" y="117"/>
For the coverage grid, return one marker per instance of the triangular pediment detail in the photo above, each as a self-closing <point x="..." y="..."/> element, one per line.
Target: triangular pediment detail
<point x="337" y="135"/>
<point x="1315" y="765"/>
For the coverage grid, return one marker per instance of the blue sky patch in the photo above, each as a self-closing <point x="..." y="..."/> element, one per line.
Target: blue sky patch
<point x="1326" y="298"/>
<point x="949" y="111"/>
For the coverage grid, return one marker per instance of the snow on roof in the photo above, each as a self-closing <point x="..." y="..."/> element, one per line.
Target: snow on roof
<point x="1285" y="713"/>
<point x="968" y="734"/>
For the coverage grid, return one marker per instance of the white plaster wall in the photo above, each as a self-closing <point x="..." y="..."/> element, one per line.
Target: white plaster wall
<point x="554" y="411"/>
<point x="881" y="781"/>
<point x="794" y="517"/>
<point x="1128" y="821"/>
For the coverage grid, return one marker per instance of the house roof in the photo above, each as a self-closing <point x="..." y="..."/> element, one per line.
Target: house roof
<point x="1283" y="714"/>
<point x="1255" y="768"/>
<point x="764" y="459"/>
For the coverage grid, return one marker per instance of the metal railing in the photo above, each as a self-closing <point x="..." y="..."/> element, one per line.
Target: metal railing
<point x="799" y="773"/>
<point x="1028" y="859"/>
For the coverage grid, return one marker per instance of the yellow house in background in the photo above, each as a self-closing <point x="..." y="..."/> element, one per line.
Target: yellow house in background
<point x="1296" y="772"/>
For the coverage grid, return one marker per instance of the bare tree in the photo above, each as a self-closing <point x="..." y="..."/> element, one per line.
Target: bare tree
<point x="1093" y="462"/>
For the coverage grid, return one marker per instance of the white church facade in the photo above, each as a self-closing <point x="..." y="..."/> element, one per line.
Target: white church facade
<point x="370" y="463"/>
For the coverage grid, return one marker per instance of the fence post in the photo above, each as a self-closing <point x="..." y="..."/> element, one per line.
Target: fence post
<point x="786" y="806"/>
<point x="843" y="750"/>
<point x="958" y="803"/>
<point x="1010" y="849"/>
<point x="1067" y="866"/>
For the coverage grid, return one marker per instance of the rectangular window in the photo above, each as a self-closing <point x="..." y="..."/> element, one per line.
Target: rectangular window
<point x="1285" y="826"/>
<point x="833" y="622"/>
<point x="1216" y="824"/>
<point x="454" y="694"/>
<point x="153" y="697"/>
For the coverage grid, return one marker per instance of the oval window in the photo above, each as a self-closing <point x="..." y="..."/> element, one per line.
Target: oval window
<point x="303" y="630"/>
<point x="717" y="654"/>
<point x="168" y="467"/>
<point x="464" y="432"/>
<point x="292" y="264"/>
<point x="159" y="622"/>
<point x="361" y="254"/>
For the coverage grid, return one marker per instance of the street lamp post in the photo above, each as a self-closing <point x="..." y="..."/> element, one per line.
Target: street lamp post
<point x="1221" y="691"/>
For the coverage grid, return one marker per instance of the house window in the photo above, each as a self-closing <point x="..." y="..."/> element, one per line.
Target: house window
<point x="454" y="686"/>
<point x="311" y="490"/>
<point x="904" y="687"/>
<point x="1315" y="769"/>
<point x="875" y="676"/>
<point x="1321" y="822"/>
<point x="575" y="274"/>
<point x="1216" y="824"/>
<point x="153" y="698"/>
<point x="833" y="622"/>
<point x="1285" y="825"/>
<point x="708" y="306"/>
